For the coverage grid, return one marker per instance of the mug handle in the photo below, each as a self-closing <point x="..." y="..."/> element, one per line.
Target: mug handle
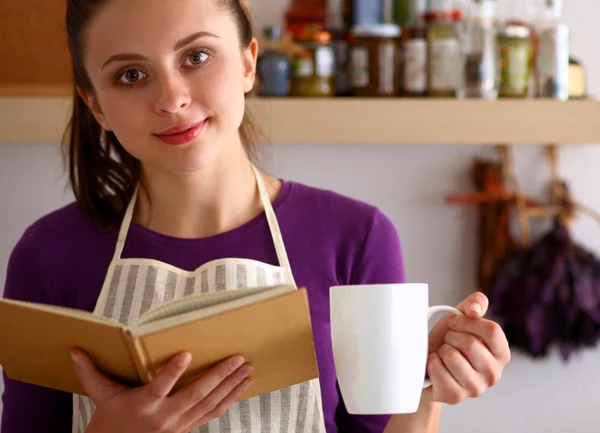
<point x="430" y="313"/>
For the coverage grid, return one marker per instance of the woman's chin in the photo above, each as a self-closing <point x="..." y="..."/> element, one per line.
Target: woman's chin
<point x="187" y="161"/>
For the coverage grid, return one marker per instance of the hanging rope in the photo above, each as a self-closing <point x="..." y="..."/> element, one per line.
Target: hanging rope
<point x="510" y="175"/>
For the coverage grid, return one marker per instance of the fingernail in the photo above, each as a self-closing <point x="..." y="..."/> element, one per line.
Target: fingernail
<point x="476" y="308"/>
<point x="184" y="359"/>
<point x="236" y="362"/>
<point x="247" y="370"/>
<point x="74" y="357"/>
<point x="453" y="322"/>
<point x="247" y="383"/>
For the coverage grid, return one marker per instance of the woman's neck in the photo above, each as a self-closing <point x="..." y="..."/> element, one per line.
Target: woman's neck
<point x="216" y="199"/>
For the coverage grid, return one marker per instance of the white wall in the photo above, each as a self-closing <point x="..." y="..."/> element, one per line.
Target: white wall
<point x="409" y="184"/>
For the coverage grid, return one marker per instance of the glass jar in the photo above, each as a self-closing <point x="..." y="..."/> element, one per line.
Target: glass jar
<point x="516" y="60"/>
<point x="444" y="51"/>
<point x="273" y="67"/>
<point x="481" y="71"/>
<point x="314" y="70"/>
<point x="413" y="62"/>
<point x="376" y="60"/>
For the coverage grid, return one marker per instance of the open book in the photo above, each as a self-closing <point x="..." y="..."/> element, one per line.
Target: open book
<point x="270" y="327"/>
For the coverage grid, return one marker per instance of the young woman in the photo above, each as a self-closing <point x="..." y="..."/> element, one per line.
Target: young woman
<point x="169" y="204"/>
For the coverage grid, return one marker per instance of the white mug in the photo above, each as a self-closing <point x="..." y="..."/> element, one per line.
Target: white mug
<point x="380" y="342"/>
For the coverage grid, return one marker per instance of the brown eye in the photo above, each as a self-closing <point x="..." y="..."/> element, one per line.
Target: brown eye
<point x="196" y="58"/>
<point x="131" y="76"/>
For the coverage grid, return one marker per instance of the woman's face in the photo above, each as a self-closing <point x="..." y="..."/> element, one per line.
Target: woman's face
<point x="169" y="78"/>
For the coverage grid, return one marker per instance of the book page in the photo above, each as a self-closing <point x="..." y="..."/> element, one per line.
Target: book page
<point x="199" y="302"/>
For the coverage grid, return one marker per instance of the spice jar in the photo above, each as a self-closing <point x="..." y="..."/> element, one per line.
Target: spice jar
<point x="516" y="57"/>
<point x="376" y="60"/>
<point x="444" y="51"/>
<point x="314" y="70"/>
<point x="480" y="48"/>
<point x="273" y="67"/>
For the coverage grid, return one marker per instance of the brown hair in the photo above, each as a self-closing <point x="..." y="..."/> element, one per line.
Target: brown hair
<point x="101" y="172"/>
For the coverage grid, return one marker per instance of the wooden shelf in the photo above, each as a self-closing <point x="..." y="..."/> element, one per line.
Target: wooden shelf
<point x="427" y="121"/>
<point x="360" y="121"/>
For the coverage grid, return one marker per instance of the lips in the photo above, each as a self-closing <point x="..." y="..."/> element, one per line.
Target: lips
<point x="182" y="133"/>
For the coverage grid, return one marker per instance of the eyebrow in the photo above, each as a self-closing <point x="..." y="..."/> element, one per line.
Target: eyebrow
<point x="179" y="45"/>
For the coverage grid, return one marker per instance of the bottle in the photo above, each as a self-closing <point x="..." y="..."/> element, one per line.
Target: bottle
<point x="413" y="71"/>
<point x="404" y="10"/>
<point x="481" y="67"/>
<point x="337" y="25"/>
<point x="274" y="67"/>
<point x="388" y="9"/>
<point x="444" y="51"/>
<point x="552" y="62"/>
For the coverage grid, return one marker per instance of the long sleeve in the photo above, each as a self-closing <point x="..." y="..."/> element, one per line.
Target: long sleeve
<point x="380" y="263"/>
<point x="28" y="408"/>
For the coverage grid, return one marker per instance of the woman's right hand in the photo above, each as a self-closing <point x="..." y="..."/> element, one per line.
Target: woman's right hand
<point x="152" y="408"/>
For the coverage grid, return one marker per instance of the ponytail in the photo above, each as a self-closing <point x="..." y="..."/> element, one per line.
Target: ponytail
<point x="102" y="184"/>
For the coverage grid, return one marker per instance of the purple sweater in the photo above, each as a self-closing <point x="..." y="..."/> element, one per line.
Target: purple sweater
<point x="331" y="240"/>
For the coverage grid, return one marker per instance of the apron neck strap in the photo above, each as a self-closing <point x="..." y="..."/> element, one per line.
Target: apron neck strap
<point x="269" y="212"/>
<point x="274" y="227"/>
<point x="126" y="223"/>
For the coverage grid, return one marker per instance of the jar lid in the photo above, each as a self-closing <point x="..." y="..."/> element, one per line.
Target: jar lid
<point x="515" y="31"/>
<point x="313" y="33"/>
<point x="377" y="30"/>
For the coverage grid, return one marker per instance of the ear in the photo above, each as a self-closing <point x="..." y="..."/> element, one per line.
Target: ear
<point x="94" y="107"/>
<point x="250" y="57"/>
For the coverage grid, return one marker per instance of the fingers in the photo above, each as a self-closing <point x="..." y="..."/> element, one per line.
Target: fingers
<point x="489" y="332"/>
<point x="471" y="381"/>
<point x="164" y="382"/>
<point x="445" y="387"/>
<point x="98" y="387"/>
<point x="197" y="416"/>
<point x="478" y="356"/>
<point x="219" y="381"/>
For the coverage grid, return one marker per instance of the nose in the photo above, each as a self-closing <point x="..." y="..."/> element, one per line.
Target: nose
<point x="171" y="95"/>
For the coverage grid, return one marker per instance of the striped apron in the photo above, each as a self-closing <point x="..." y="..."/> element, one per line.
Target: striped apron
<point x="133" y="286"/>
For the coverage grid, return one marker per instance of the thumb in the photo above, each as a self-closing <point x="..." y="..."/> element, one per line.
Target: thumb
<point x="474" y="306"/>
<point x="98" y="387"/>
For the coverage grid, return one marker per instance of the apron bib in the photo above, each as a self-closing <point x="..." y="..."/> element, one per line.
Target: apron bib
<point x="133" y="286"/>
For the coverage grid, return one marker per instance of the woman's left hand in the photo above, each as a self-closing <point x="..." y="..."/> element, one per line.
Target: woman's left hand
<point x="467" y="354"/>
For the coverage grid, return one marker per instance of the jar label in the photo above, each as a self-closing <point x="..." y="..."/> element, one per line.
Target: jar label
<point x="387" y="68"/>
<point x="415" y="65"/>
<point x="325" y="61"/>
<point x="303" y="67"/>
<point x="518" y="60"/>
<point x="360" y="67"/>
<point x="444" y="64"/>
